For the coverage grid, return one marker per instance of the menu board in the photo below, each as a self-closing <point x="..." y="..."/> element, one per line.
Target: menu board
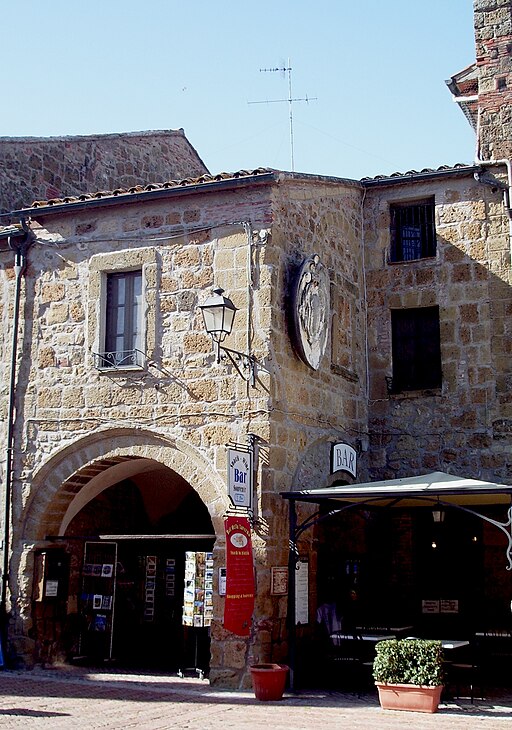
<point x="198" y="591"/>
<point x="239" y="603"/>
<point x="302" y="593"/>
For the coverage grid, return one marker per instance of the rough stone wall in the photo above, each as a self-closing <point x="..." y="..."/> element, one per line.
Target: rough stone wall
<point x="463" y="427"/>
<point x="37" y="168"/>
<point x="330" y="402"/>
<point x="309" y="409"/>
<point x="493" y="37"/>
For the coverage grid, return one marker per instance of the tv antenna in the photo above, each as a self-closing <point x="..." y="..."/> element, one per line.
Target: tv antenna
<point x="291" y="101"/>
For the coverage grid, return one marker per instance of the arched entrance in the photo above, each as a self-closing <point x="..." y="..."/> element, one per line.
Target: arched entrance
<point x="127" y="528"/>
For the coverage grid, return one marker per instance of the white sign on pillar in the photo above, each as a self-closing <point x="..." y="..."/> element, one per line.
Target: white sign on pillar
<point x="240" y="477"/>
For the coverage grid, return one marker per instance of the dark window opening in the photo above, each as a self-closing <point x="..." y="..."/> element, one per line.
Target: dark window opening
<point x="413" y="234"/>
<point x="123" y="325"/>
<point x="416" y="349"/>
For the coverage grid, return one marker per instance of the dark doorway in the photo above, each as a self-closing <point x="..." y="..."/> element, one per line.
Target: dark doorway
<point x="148" y="625"/>
<point x="449" y="572"/>
<point x="133" y="614"/>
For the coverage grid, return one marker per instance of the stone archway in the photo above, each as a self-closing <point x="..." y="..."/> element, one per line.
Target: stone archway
<point x="57" y="483"/>
<point x="76" y="475"/>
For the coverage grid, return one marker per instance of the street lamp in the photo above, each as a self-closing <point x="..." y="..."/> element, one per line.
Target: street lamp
<point x="218" y="315"/>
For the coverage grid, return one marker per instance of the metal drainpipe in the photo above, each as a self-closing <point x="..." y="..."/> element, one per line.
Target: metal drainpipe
<point x="248" y="232"/>
<point x="19" y="269"/>
<point x="246" y="225"/>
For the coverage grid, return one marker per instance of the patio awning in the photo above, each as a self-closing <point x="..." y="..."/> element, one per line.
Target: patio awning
<point x="410" y="491"/>
<point x="426" y="489"/>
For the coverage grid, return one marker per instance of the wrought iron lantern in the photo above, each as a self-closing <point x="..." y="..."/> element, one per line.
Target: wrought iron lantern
<point x="218" y="315"/>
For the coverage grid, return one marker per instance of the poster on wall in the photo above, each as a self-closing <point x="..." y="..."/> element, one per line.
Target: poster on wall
<point x="429" y="605"/>
<point x="279" y="581"/>
<point x="449" y="605"/>
<point x="222" y="581"/>
<point x="302" y="592"/>
<point x="239" y="604"/>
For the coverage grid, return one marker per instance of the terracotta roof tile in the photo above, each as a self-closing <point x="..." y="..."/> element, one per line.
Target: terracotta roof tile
<point x="168" y="184"/>
<point x="208" y="178"/>
<point x="413" y="173"/>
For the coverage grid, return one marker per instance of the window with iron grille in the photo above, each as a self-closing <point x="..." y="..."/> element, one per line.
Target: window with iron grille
<point x="413" y="234"/>
<point x="416" y="349"/>
<point x="123" y="323"/>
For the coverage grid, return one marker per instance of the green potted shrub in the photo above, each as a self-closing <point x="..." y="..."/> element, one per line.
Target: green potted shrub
<point x="408" y="674"/>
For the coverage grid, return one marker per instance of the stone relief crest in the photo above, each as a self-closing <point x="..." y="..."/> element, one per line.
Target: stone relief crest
<point x="310" y="311"/>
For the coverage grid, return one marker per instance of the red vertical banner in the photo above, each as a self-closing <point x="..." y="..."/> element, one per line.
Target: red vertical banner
<point x="239" y="604"/>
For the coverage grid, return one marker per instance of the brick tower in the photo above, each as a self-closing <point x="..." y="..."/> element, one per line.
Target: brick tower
<point x="493" y="39"/>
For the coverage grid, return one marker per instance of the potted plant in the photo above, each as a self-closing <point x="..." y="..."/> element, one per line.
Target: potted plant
<point x="408" y="674"/>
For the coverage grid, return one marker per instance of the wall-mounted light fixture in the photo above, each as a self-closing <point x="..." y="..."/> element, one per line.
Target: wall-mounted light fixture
<point x="218" y="316"/>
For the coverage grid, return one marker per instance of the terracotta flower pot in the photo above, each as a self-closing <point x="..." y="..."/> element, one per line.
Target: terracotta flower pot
<point x="409" y="697"/>
<point x="269" y="681"/>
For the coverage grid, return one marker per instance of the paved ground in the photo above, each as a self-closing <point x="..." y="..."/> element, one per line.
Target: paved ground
<point x="89" y="700"/>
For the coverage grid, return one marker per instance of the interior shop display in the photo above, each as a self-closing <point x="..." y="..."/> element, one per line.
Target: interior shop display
<point x="197" y="611"/>
<point x="97" y="599"/>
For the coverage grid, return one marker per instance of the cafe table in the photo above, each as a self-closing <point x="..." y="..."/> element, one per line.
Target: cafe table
<point x="447" y="643"/>
<point x="396" y="630"/>
<point x="454" y="644"/>
<point x="339" y="636"/>
<point x="496" y="634"/>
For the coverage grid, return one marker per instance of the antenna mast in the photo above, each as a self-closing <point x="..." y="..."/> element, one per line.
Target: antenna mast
<point x="285" y="69"/>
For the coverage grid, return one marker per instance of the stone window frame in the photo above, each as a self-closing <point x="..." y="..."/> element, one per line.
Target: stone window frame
<point x="102" y="264"/>
<point x="421" y="352"/>
<point x="424" y="206"/>
<point x="339" y="296"/>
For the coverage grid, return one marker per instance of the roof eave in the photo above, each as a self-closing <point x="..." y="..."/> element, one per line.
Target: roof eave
<point x="144" y="195"/>
<point x="414" y="176"/>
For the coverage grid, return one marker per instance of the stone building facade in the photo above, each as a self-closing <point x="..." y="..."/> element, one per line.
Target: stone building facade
<point x="400" y="351"/>
<point x="77" y="425"/>
<point x="38" y="168"/>
<point x="466" y="419"/>
<point x="83" y="432"/>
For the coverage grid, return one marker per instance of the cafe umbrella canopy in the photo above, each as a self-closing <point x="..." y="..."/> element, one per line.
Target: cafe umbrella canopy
<point x="433" y="489"/>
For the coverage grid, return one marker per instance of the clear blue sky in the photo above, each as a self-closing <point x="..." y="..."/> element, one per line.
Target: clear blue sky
<point x="376" y="67"/>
